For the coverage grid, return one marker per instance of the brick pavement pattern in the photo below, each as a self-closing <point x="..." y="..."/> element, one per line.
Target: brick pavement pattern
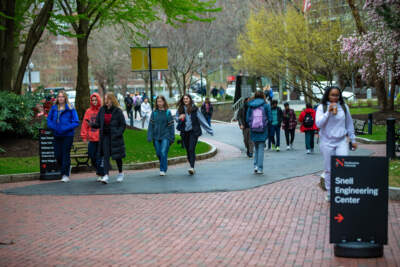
<point x="281" y="224"/>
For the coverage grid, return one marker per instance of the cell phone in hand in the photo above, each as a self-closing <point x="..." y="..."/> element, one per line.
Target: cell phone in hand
<point x="351" y="146"/>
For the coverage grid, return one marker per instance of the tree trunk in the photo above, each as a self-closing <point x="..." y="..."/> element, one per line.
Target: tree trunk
<point x="356" y="16"/>
<point x="7" y="7"/>
<point x="393" y="83"/>
<point x="82" y="83"/>
<point x="34" y="35"/>
<point x="381" y="94"/>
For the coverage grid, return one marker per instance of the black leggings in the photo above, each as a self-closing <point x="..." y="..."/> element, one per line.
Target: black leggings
<point x="107" y="155"/>
<point x="291" y="132"/>
<point x="190" y="142"/>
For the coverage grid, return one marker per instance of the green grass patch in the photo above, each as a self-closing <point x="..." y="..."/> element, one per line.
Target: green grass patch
<point x="378" y="133"/>
<point x="366" y="110"/>
<point x="136" y="145"/>
<point x="394" y="173"/>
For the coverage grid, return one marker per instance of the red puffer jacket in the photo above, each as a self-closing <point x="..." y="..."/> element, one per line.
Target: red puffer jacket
<point x="301" y="119"/>
<point x="87" y="132"/>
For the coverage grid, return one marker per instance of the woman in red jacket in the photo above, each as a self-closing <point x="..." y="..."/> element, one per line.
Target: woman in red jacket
<point x="307" y="119"/>
<point x="92" y="135"/>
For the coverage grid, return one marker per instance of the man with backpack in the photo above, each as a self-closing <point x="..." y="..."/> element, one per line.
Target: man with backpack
<point x="136" y="103"/>
<point x="275" y="125"/>
<point x="128" y="104"/>
<point x="307" y="119"/>
<point x="289" y="124"/>
<point x="258" y="115"/>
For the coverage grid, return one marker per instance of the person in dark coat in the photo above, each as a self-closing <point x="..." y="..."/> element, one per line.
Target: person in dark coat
<point x="207" y="109"/>
<point x="289" y="124"/>
<point x="190" y="119"/>
<point x="111" y="122"/>
<point x="275" y="125"/>
<point x="244" y="126"/>
<point x="63" y="119"/>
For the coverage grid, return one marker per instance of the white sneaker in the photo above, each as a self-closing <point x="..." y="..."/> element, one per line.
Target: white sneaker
<point x="191" y="171"/>
<point x="308" y="151"/>
<point x="162" y="173"/>
<point x="65" y="179"/>
<point x="260" y="172"/>
<point x="120" y="177"/>
<point x="288" y="148"/>
<point x="278" y="149"/>
<point x="105" y="179"/>
<point x="255" y="169"/>
<point x="322" y="175"/>
<point x="99" y="179"/>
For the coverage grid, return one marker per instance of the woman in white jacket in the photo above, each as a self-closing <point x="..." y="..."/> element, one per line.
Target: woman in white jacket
<point x="335" y="123"/>
<point x="145" y="112"/>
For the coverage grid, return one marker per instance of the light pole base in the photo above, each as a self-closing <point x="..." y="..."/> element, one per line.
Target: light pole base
<point x="358" y="250"/>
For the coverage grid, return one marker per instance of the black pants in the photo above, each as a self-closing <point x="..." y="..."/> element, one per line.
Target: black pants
<point x="95" y="158"/>
<point x="291" y="133"/>
<point x="107" y="155"/>
<point x="62" y="149"/>
<point x="190" y="142"/>
<point x="137" y="109"/>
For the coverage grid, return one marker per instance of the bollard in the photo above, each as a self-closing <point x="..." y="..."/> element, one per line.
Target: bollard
<point x="370" y="123"/>
<point x="131" y="121"/>
<point x="390" y="138"/>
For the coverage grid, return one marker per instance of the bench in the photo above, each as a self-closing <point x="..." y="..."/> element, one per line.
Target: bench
<point x="359" y="126"/>
<point x="79" y="153"/>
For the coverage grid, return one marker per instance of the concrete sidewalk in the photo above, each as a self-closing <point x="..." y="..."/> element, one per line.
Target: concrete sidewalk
<point x="281" y="224"/>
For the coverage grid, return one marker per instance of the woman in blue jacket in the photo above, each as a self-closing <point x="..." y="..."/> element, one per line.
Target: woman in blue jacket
<point x="258" y="115"/>
<point x="63" y="120"/>
<point x="161" y="132"/>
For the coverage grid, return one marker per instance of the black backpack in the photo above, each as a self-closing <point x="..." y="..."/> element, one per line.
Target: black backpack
<point x="308" y="120"/>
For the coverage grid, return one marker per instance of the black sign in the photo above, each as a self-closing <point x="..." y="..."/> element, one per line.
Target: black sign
<point x="359" y="199"/>
<point x="49" y="169"/>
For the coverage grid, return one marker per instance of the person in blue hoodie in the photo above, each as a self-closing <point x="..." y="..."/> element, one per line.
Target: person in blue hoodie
<point x="258" y="132"/>
<point x="161" y="132"/>
<point x="63" y="119"/>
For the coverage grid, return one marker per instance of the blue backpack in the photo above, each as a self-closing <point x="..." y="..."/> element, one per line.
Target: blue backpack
<point x="258" y="119"/>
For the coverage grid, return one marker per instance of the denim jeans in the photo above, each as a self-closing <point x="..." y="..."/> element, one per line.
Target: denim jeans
<point x="274" y="131"/>
<point x="259" y="155"/>
<point x="62" y="149"/>
<point x="208" y="119"/>
<point x="162" y="147"/>
<point x="309" y="139"/>
<point x="95" y="158"/>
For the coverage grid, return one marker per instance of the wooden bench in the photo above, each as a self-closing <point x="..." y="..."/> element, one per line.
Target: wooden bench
<point x="79" y="153"/>
<point x="359" y="126"/>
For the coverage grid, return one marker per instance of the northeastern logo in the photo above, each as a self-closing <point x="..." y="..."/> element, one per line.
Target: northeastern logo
<point x="346" y="164"/>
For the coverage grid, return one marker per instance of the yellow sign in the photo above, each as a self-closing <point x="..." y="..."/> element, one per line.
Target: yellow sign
<point x="140" y="58"/>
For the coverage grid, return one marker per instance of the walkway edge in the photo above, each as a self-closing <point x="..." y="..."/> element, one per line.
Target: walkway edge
<point x="369" y="141"/>
<point x="22" y="177"/>
<point x="394" y="193"/>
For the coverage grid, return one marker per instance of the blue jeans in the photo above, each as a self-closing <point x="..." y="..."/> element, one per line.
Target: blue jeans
<point x="309" y="139"/>
<point x="259" y="155"/>
<point x="62" y="150"/>
<point x="208" y="119"/>
<point x="162" y="147"/>
<point x="274" y="131"/>
<point x="95" y="158"/>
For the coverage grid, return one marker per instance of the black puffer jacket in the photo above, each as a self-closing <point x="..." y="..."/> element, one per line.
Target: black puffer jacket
<point x="117" y="128"/>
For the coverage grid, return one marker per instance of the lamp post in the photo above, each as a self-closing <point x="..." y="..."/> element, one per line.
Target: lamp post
<point x="30" y="68"/>
<point x="200" y="55"/>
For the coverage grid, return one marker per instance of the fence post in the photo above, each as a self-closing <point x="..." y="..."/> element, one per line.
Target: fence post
<point x="390" y="138"/>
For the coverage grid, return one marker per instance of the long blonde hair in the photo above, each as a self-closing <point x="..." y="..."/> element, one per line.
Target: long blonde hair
<point x="113" y="99"/>
<point x="66" y="99"/>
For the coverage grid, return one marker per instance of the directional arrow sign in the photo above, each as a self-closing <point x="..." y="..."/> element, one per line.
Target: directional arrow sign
<point x="339" y="218"/>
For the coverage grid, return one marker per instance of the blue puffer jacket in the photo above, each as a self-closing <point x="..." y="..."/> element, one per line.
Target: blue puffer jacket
<point x="255" y="103"/>
<point x="67" y="123"/>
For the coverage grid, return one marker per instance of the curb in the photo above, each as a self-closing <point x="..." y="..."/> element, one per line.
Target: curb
<point x="394" y="193"/>
<point x="369" y="141"/>
<point x="22" y="177"/>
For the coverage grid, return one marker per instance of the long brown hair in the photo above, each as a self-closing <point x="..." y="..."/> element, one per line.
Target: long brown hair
<point x="164" y="100"/>
<point x="66" y="99"/>
<point x="181" y="105"/>
<point x="113" y="99"/>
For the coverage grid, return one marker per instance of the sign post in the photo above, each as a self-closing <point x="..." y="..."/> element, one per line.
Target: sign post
<point x="359" y="206"/>
<point x="49" y="169"/>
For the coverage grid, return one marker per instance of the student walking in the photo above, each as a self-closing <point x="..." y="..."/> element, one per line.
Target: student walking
<point x="289" y="124"/>
<point x="161" y="132"/>
<point x="335" y="123"/>
<point x="136" y="104"/>
<point x="275" y="125"/>
<point x="308" y="127"/>
<point x="145" y="112"/>
<point x="92" y="135"/>
<point x="257" y="116"/>
<point x="244" y="126"/>
<point x="111" y="122"/>
<point x="190" y="121"/>
<point x="63" y="119"/>
<point x="128" y="105"/>
<point x="207" y="110"/>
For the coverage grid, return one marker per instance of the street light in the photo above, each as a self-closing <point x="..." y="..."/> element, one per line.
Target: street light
<point x="200" y="55"/>
<point x="30" y="68"/>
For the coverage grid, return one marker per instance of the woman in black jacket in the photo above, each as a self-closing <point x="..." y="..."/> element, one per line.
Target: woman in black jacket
<point x="189" y="120"/>
<point x="111" y="122"/>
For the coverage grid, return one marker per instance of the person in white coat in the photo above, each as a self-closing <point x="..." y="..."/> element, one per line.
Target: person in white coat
<point x="145" y="112"/>
<point x="335" y="123"/>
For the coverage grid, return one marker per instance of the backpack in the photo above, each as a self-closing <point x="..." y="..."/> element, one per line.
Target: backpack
<point x="308" y="120"/>
<point x="258" y="119"/>
<point x="137" y="101"/>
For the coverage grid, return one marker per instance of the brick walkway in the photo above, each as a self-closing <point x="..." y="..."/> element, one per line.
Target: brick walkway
<point x="281" y="224"/>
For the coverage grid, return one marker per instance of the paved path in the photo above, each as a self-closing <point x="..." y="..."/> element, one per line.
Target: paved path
<point x="281" y="224"/>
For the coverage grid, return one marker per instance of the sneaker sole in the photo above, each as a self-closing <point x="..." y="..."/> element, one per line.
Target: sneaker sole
<point x="104" y="182"/>
<point x="191" y="172"/>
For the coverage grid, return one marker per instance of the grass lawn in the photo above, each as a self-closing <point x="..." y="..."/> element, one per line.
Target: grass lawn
<point x="394" y="173"/>
<point x="365" y="110"/>
<point x="378" y="133"/>
<point x="137" y="150"/>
